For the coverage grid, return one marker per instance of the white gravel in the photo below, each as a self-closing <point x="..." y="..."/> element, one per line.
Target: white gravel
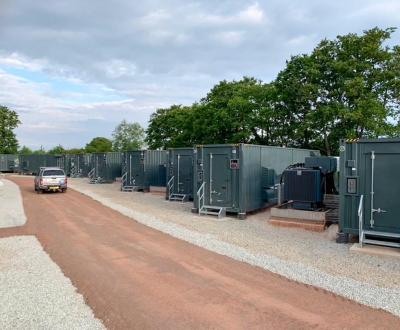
<point x="12" y="212"/>
<point x="34" y="293"/>
<point x="307" y="257"/>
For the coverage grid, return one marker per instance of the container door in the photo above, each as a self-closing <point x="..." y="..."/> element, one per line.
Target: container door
<point x="381" y="190"/>
<point x="184" y="175"/>
<point x="134" y="167"/>
<point x="218" y="186"/>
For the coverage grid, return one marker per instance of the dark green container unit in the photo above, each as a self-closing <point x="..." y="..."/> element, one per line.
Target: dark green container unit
<point x="144" y="168"/>
<point x="78" y="165"/>
<point x="234" y="174"/>
<point x="370" y="168"/>
<point x="107" y="166"/>
<point x="9" y="162"/>
<point x="32" y="163"/>
<point x="180" y="174"/>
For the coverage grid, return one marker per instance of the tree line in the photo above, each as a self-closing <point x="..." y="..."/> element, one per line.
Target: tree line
<point x="346" y="88"/>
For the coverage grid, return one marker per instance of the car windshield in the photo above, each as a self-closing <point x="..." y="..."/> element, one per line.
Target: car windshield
<point x="53" y="173"/>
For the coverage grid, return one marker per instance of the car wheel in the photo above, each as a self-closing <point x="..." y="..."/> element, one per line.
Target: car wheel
<point x="64" y="190"/>
<point x="39" y="191"/>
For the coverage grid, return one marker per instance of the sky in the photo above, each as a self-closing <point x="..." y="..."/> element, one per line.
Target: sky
<point x="73" y="70"/>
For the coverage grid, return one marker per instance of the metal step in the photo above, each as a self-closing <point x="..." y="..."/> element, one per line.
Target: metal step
<point x="376" y="240"/>
<point x="384" y="243"/>
<point x="219" y="211"/>
<point x="95" y="180"/>
<point x="381" y="234"/>
<point x="179" y="198"/>
<point x="128" y="188"/>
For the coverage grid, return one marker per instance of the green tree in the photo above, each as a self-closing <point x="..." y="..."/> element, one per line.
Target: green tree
<point x="75" y="151"/>
<point x="40" y="151"/>
<point x="128" y="136"/>
<point x="347" y="87"/>
<point x="171" y="128"/>
<point x="99" y="144"/>
<point x="57" y="150"/>
<point x="24" y="150"/>
<point x="8" y="122"/>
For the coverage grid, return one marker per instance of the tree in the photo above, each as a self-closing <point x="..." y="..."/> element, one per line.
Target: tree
<point x="171" y="128"/>
<point x="128" y="136"/>
<point x="57" y="150"/>
<point x="347" y="88"/>
<point x="25" y="150"/>
<point x="99" y="144"/>
<point x="8" y="122"/>
<point x="75" y="151"/>
<point x="40" y="151"/>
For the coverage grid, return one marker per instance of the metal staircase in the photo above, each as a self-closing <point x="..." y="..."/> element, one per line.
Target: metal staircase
<point x="219" y="211"/>
<point x="172" y="197"/>
<point x="124" y="183"/>
<point x="92" y="178"/>
<point x="178" y="198"/>
<point x="374" y="237"/>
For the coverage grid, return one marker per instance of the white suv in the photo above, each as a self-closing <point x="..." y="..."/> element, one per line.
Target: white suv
<point x="51" y="179"/>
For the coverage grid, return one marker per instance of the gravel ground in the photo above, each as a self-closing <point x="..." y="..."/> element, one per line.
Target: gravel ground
<point x="12" y="212"/>
<point x="307" y="257"/>
<point x="34" y="293"/>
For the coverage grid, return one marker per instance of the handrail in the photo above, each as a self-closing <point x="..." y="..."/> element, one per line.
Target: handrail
<point x="91" y="174"/>
<point x="170" y="187"/>
<point x="201" y="198"/>
<point x="360" y="223"/>
<point x="123" y="179"/>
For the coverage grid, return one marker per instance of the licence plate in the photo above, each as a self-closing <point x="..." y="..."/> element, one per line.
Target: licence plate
<point x="53" y="187"/>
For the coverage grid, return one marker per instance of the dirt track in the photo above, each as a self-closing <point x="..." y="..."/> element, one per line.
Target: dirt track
<point x="134" y="277"/>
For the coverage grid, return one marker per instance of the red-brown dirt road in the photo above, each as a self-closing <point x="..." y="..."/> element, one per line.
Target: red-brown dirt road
<point x="134" y="277"/>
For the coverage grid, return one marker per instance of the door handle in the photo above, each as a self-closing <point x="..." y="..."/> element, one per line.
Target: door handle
<point x="378" y="210"/>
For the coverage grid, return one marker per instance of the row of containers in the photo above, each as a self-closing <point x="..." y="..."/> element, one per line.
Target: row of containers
<point x="237" y="177"/>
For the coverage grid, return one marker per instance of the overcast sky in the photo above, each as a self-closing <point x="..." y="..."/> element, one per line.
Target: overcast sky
<point x="74" y="69"/>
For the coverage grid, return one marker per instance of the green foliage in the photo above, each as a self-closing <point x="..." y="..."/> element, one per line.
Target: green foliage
<point x="170" y="128"/>
<point x="128" y="136"/>
<point x="346" y="88"/>
<point x="24" y="150"/>
<point x="76" y="151"/>
<point x="99" y="144"/>
<point x="57" y="150"/>
<point x="40" y="151"/>
<point x="8" y="122"/>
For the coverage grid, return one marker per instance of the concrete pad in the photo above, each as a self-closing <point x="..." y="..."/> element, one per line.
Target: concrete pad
<point x="376" y="250"/>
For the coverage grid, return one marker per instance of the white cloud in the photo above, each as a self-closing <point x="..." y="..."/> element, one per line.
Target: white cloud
<point x="117" y="68"/>
<point x="230" y="38"/>
<point x="18" y="61"/>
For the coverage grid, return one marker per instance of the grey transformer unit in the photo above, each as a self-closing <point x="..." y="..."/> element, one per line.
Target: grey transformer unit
<point x="370" y="190"/>
<point x="229" y="178"/>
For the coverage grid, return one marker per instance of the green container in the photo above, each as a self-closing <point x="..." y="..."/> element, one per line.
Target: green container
<point x="233" y="174"/>
<point x="31" y="164"/>
<point x="107" y="166"/>
<point x="369" y="168"/>
<point x="180" y="171"/>
<point x="9" y="162"/>
<point x="78" y="165"/>
<point x="144" y="168"/>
